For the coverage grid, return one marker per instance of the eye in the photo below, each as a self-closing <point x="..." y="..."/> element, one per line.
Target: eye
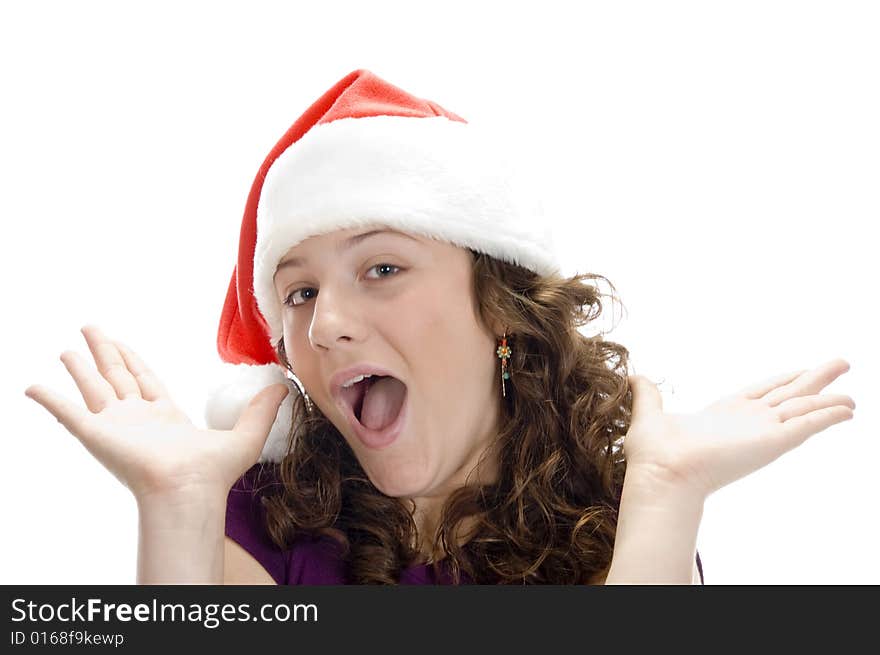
<point x="384" y="266"/>
<point x="289" y="301"/>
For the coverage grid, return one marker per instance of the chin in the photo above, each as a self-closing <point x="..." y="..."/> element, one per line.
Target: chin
<point x="397" y="488"/>
<point x="397" y="484"/>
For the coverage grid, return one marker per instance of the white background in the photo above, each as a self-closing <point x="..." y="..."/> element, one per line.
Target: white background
<point x="718" y="162"/>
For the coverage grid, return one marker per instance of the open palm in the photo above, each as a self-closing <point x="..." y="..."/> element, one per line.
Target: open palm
<point x="136" y="431"/>
<point x="735" y="435"/>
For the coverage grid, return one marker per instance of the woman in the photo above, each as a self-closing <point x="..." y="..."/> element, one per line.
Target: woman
<point x="494" y="443"/>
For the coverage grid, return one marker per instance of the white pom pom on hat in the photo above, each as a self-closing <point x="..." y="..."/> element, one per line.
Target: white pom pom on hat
<point x="227" y="400"/>
<point x="366" y="152"/>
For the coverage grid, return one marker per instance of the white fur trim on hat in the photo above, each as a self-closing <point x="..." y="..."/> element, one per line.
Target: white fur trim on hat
<point x="432" y="176"/>
<point x="227" y="400"/>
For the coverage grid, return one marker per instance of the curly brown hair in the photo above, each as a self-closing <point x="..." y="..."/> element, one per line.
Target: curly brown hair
<point x="551" y="516"/>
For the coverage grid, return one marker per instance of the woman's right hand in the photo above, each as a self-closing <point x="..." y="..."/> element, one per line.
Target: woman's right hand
<point x="135" y="430"/>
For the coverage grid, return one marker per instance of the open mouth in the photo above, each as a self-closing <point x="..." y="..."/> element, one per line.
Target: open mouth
<point x="376" y="401"/>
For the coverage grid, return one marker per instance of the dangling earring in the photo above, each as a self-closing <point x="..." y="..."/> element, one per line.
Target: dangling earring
<point x="504" y="353"/>
<point x="290" y="376"/>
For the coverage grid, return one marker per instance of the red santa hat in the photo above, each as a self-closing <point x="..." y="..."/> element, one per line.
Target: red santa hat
<point x="366" y="152"/>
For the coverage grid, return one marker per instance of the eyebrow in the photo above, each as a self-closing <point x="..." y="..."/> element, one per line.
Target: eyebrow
<point x="344" y="245"/>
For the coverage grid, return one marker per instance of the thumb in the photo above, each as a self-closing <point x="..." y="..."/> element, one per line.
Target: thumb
<point x="256" y="421"/>
<point x="646" y="396"/>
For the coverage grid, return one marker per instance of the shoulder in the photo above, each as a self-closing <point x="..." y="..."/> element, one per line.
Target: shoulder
<point x="249" y="547"/>
<point x="240" y="567"/>
<point x="251" y="552"/>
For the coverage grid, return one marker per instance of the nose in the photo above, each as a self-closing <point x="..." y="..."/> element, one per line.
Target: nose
<point x="336" y="318"/>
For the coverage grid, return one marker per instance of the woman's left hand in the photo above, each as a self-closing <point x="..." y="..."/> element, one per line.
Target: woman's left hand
<point x="735" y="435"/>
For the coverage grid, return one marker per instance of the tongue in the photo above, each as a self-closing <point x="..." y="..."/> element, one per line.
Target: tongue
<point x="382" y="403"/>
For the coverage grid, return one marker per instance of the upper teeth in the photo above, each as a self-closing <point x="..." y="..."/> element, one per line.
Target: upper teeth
<point x="357" y="379"/>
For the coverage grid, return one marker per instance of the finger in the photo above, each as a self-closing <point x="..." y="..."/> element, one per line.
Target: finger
<point x="799" y="429"/>
<point x="258" y="417"/>
<point x="71" y="416"/>
<point x="804" y="404"/>
<point x="150" y="386"/>
<point x="759" y="389"/>
<point x="811" y="382"/>
<point x="95" y="390"/>
<point x="110" y="363"/>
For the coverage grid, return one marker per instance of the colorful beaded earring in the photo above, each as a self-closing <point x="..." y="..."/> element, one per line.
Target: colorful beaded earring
<point x="504" y="353"/>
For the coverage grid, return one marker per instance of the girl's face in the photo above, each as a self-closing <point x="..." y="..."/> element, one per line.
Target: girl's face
<point x="403" y="302"/>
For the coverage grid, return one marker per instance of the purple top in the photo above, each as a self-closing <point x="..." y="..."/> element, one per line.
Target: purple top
<point x="310" y="560"/>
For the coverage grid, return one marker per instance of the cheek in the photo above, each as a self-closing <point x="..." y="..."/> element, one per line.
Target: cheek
<point x="415" y="318"/>
<point x="302" y="361"/>
<point x="451" y="321"/>
<point x="451" y="354"/>
<point x="440" y="307"/>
